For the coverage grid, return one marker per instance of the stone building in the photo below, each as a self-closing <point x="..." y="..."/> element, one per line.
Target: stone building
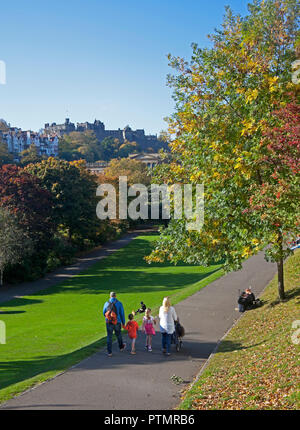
<point x="60" y="129"/>
<point x="144" y="141"/>
<point x="151" y="160"/>
<point x="96" y="168"/>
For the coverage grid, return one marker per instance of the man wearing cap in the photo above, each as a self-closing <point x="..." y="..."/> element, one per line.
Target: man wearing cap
<point x="110" y="327"/>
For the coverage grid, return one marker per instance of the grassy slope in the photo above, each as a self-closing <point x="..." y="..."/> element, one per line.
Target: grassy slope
<point x="257" y="364"/>
<point x="50" y="331"/>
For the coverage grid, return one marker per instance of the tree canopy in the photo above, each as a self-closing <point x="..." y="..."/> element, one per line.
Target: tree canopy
<point x="220" y="136"/>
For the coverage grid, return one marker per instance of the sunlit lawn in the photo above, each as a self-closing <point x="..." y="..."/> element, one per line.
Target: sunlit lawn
<point x="52" y="330"/>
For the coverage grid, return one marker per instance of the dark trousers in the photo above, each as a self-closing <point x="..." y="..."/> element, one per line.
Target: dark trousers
<point x="166" y="341"/>
<point x="111" y="328"/>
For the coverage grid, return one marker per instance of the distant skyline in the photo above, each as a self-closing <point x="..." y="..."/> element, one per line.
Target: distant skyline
<point x="88" y="59"/>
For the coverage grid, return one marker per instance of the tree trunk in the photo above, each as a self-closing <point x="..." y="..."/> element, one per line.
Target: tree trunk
<point x="280" y="280"/>
<point x="1" y="277"/>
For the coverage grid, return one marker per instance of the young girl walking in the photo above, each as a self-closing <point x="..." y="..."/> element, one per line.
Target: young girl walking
<point x="148" y="328"/>
<point x="132" y="328"/>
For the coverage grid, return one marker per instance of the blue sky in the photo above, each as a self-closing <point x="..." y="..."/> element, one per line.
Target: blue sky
<point x="88" y="59"/>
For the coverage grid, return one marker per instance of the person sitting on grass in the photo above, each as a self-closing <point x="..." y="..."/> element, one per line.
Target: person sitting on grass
<point x="246" y="300"/>
<point x="132" y="328"/>
<point x="142" y="309"/>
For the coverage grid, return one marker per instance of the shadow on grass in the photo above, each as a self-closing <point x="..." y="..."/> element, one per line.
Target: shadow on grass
<point x="139" y="248"/>
<point x="101" y="276"/>
<point x="128" y="282"/>
<point x="19" y="302"/>
<point x="229" y="346"/>
<point x="12" y="312"/>
<point x="289" y="295"/>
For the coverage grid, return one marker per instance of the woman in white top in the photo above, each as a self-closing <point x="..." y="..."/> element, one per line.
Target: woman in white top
<point x="167" y="316"/>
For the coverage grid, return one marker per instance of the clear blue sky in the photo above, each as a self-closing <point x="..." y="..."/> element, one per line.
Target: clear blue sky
<point x="89" y="59"/>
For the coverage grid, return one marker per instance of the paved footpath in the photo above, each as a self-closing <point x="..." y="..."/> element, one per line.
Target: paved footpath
<point x="143" y="381"/>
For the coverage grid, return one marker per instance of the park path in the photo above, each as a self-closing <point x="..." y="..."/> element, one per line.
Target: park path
<point x="10" y="292"/>
<point x="143" y="381"/>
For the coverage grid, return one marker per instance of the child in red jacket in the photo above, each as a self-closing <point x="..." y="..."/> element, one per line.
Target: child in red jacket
<point x="132" y="328"/>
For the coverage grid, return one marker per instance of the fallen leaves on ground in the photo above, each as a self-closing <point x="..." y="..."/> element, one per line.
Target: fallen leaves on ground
<point x="257" y="365"/>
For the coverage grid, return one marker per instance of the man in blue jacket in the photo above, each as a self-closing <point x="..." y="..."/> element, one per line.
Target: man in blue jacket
<point x="110" y="327"/>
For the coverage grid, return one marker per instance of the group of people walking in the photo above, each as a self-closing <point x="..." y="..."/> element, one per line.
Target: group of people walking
<point x="113" y="312"/>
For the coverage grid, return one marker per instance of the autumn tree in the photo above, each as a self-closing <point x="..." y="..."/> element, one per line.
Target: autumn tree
<point x="276" y="198"/>
<point x="24" y="196"/>
<point x="225" y="97"/>
<point x="136" y="171"/>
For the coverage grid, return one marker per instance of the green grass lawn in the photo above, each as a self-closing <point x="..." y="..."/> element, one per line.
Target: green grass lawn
<point x="257" y="364"/>
<point x="50" y="331"/>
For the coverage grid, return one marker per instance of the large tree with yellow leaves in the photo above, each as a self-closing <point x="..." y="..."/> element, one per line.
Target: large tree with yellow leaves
<point x="225" y="96"/>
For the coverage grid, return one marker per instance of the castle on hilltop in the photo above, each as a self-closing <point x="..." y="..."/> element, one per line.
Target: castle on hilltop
<point x="47" y="140"/>
<point x="98" y="127"/>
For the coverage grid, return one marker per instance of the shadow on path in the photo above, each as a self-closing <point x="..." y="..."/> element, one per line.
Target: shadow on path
<point x="23" y="369"/>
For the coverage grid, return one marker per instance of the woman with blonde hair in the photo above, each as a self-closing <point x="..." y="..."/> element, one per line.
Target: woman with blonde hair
<point x="167" y="316"/>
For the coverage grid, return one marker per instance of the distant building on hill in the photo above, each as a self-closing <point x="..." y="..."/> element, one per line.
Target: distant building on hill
<point x="151" y="160"/>
<point x="60" y="129"/>
<point x="96" y="168"/>
<point x="144" y="141"/>
<point x="47" y="140"/>
<point x="18" y="140"/>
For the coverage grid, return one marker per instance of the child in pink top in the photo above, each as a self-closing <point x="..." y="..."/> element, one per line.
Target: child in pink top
<point x="148" y="328"/>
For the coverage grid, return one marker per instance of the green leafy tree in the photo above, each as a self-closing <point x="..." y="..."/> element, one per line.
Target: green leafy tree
<point x="80" y="145"/>
<point x="110" y="148"/>
<point x="30" y="155"/>
<point x="128" y="148"/>
<point x="225" y="97"/>
<point x="5" y="156"/>
<point x="14" y="242"/>
<point x="73" y="192"/>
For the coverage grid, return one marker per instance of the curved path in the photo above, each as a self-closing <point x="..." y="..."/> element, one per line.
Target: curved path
<point x="144" y="381"/>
